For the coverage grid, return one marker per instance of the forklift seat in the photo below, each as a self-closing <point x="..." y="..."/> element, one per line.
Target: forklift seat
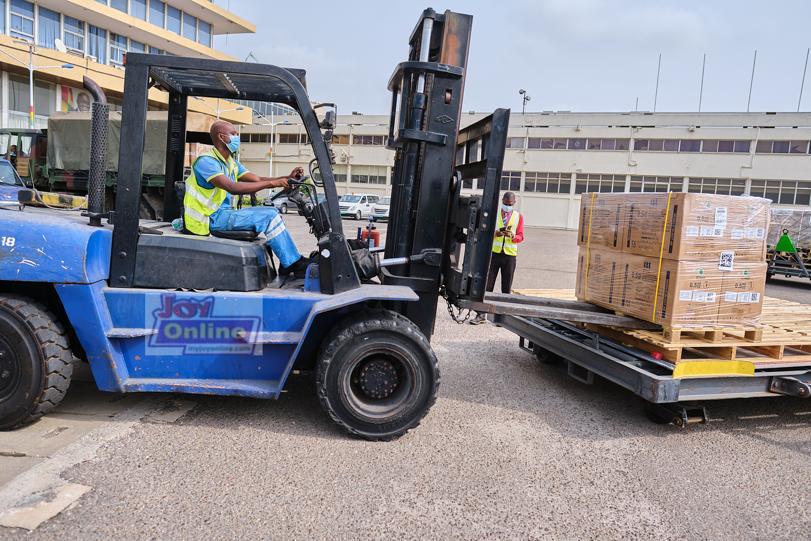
<point x="248" y="236"/>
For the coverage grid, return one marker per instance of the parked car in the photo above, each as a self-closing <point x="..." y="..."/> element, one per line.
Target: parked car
<point x="357" y="206"/>
<point x="380" y="210"/>
<point x="10" y="182"/>
<point x="282" y="204"/>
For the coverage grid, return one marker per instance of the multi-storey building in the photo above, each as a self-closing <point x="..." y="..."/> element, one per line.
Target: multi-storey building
<point x="93" y="36"/>
<point x="553" y="157"/>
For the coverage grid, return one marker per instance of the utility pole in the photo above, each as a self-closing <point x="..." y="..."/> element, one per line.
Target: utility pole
<point x="751" y="81"/>
<point x="656" y="92"/>
<point x="802" y="83"/>
<point x="525" y="98"/>
<point x="701" y="88"/>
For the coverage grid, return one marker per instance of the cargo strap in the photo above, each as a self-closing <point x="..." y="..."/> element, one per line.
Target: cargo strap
<point x="661" y="255"/>
<point x="588" y="244"/>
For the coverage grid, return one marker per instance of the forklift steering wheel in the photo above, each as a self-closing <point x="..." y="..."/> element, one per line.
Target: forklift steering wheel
<point x="295" y="184"/>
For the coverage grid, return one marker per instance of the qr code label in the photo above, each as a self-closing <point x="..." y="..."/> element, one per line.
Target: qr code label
<point x="755" y="297"/>
<point x="727" y="260"/>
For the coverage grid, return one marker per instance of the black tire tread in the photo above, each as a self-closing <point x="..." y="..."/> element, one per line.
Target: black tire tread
<point x="359" y="323"/>
<point x="52" y="340"/>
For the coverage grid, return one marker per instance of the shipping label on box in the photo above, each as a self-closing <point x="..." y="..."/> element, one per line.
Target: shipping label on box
<point x="742" y="299"/>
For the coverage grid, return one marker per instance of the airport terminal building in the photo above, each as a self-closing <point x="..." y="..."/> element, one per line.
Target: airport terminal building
<point x="553" y="157"/>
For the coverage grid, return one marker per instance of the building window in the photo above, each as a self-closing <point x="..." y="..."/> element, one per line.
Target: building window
<point x="577" y="143"/>
<point x="118" y="48"/>
<point x="599" y="183"/>
<point x="690" y="145"/>
<point x="515" y="142"/>
<point x="547" y="182"/>
<point x="655" y="184"/>
<point x="782" y="192"/>
<point x="120" y="5"/>
<point x="670" y="145"/>
<point x="74" y="34"/>
<point x="97" y="43"/>
<point x="511" y="180"/>
<point x="640" y="144"/>
<point x="22" y="19"/>
<point x="340" y="139"/>
<point x="155" y="50"/>
<point x="379" y="140"/>
<point x="368" y="174"/>
<point x="189" y="27"/>
<point x="137" y="46"/>
<point x="782" y="147"/>
<point x="2" y="16"/>
<point x="138" y="9"/>
<point x="48" y="28"/>
<point x="293" y="139"/>
<point x="157" y="12"/>
<point x="720" y="186"/>
<point x="204" y="33"/>
<point x="173" y="19"/>
<point x="339" y="173"/>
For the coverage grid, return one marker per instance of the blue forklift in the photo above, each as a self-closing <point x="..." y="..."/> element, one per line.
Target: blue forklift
<point x="152" y="309"/>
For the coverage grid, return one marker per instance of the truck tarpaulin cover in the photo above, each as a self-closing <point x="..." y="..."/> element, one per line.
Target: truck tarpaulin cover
<point x="69" y="142"/>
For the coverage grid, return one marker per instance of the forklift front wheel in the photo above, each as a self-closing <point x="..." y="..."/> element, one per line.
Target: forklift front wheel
<point x="377" y="375"/>
<point x="35" y="361"/>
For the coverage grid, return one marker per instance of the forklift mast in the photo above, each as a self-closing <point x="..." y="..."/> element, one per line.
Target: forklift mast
<point x="430" y="221"/>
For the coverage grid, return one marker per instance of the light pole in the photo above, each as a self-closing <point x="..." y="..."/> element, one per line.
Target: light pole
<point x="272" y="125"/>
<point x="31" y="69"/>
<point x="524" y="98"/>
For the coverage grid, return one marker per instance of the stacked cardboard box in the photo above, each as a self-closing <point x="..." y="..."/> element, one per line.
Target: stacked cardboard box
<point x="679" y="260"/>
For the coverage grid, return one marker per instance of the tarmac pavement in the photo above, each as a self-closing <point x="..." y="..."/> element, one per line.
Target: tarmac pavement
<point x="512" y="449"/>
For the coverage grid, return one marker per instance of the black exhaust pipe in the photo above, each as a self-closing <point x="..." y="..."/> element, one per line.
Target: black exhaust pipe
<point x="98" y="152"/>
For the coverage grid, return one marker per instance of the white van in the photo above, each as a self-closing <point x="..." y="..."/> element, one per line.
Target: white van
<point x="357" y="206"/>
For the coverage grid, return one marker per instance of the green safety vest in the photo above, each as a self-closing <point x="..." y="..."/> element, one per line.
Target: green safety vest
<point x="505" y="243"/>
<point x="199" y="203"/>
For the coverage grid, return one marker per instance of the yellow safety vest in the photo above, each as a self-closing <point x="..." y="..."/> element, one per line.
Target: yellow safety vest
<point x="505" y="243"/>
<point x="199" y="203"/>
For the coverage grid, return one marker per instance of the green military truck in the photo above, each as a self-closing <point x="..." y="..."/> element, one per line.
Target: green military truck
<point x="58" y="159"/>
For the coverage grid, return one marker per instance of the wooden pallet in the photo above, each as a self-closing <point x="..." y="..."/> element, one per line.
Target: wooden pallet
<point x="783" y="339"/>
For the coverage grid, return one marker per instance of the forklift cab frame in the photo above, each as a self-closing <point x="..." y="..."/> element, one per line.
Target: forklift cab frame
<point x="184" y="77"/>
<point x="31" y="150"/>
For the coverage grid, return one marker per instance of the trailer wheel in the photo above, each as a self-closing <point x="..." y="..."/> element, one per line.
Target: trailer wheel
<point x="35" y="361"/>
<point x="657" y="415"/>
<point x="545" y="356"/>
<point x="377" y="375"/>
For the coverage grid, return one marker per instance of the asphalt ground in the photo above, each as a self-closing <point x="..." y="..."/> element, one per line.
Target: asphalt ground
<point x="511" y="449"/>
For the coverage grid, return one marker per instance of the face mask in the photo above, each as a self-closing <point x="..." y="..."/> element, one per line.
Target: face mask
<point x="507" y="208"/>
<point x="233" y="144"/>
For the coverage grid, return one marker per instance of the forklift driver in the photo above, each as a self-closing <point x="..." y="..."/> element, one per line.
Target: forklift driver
<point x="217" y="175"/>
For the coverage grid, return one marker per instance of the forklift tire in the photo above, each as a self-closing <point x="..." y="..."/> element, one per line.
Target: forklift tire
<point x="377" y="375"/>
<point x="35" y="361"/>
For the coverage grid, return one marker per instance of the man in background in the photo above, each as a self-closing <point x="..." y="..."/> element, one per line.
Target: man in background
<point x="509" y="234"/>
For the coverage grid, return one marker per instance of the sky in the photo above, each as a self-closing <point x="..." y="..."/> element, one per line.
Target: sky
<point x="570" y="55"/>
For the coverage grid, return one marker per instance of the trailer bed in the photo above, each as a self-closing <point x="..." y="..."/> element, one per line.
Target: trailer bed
<point x="587" y="352"/>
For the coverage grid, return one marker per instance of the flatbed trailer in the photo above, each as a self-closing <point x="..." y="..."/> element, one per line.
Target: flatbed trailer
<point x="668" y="398"/>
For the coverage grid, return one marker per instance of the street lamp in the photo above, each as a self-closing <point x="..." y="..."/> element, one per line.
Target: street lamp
<point x="218" y="110"/>
<point x="525" y="98"/>
<point x="272" y="125"/>
<point x="31" y="69"/>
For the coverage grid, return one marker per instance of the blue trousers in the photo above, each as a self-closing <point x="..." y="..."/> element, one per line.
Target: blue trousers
<point x="262" y="220"/>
